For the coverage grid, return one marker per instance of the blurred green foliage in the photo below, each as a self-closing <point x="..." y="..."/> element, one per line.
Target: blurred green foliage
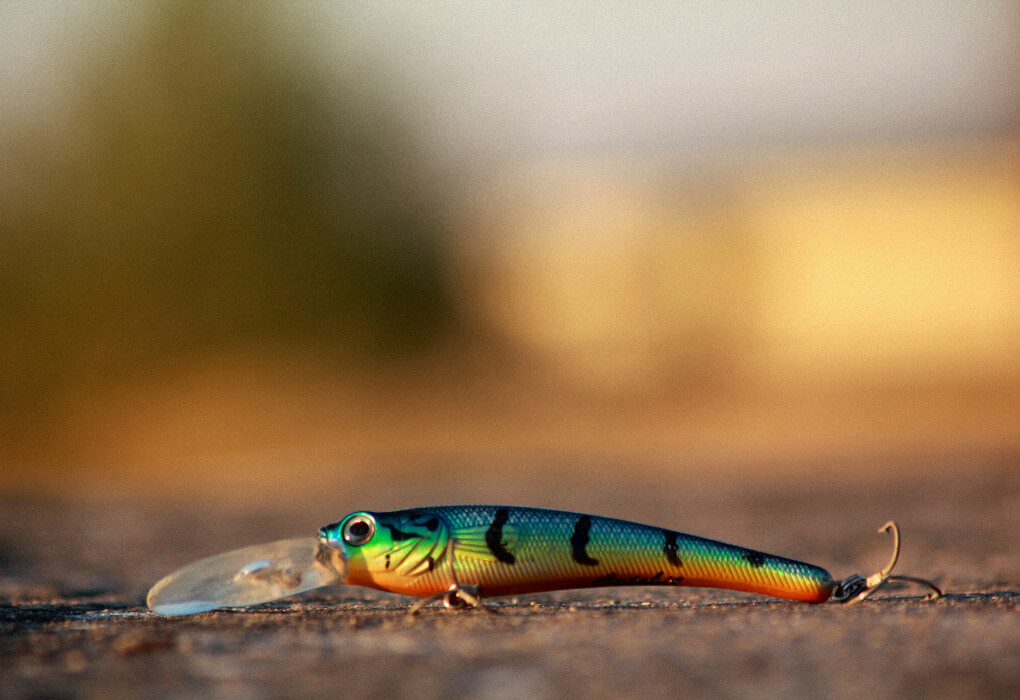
<point x="208" y="190"/>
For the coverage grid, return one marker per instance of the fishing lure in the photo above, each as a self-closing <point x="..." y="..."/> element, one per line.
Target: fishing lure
<point x="460" y="554"/>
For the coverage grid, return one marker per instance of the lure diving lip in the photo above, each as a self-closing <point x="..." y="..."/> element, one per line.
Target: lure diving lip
<point x="248" y="576"/>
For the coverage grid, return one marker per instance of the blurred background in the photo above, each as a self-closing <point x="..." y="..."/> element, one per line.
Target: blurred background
<point x="254" y="246"/>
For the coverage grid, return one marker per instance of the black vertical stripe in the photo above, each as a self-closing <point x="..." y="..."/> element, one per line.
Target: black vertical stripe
<point x="755" y="559"/>
<point x="670" y="548"/>
<point x="579" y="542"/>
<point x="494" y="537"/>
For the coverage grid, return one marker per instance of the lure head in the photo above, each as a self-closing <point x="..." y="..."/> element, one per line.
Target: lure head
<point x="388" y="550"/>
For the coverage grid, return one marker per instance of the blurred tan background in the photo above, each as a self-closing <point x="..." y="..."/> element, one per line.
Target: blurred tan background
<point x="247" y="246"/>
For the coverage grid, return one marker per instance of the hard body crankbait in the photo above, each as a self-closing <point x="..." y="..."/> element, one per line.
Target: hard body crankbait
<point x="460" y="554"/>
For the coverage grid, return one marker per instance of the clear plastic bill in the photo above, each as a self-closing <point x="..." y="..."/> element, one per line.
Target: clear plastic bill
<point x="248" y="576"/>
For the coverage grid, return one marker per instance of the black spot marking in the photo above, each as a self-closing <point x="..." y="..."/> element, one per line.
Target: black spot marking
<point x="494" y="537"/>
<point x="431" y="524"/>
<point x="670" y="548"/>
<point x="755" y="559"/>
<point x="431" y="562"/>
<point x="579" y="541"/>
<point x="397" y="534"/>
<point x="387" y="561"/>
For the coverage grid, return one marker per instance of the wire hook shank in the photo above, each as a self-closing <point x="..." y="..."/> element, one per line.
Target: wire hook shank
<point x="856" y="588"/>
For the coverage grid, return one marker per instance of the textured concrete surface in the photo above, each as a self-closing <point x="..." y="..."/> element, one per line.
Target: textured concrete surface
<point x="74" y="572"/>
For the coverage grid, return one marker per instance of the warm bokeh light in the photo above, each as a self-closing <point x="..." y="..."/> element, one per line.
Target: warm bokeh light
<point x="242" y="244"/>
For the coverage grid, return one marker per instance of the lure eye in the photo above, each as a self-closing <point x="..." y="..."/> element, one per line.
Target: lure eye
<point x="359" y="529"/>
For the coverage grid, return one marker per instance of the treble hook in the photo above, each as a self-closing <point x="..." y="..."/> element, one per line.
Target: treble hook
<point x="457" y="597"/>
<point x="855" y="588"/>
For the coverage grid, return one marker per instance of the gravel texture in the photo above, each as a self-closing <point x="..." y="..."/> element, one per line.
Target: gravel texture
<point x="74" y="572"/>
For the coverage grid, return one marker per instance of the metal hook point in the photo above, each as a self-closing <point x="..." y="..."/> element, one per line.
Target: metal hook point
<point x="855" y="588"/>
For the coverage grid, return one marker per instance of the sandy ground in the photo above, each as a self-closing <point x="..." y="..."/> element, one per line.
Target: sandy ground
<point x="74" y="572"/>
